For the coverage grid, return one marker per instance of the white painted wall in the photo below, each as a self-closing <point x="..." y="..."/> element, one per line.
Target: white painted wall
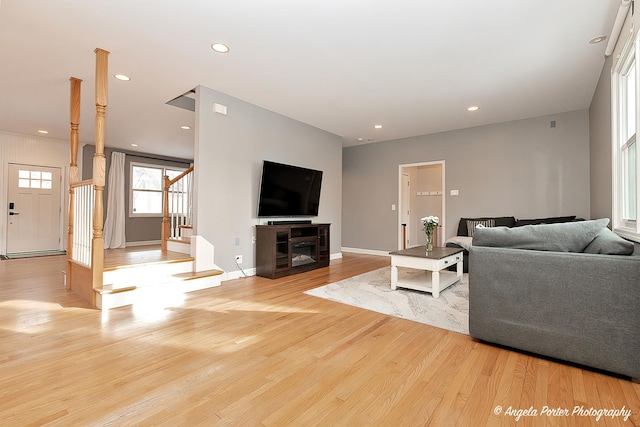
<point x="33" y="150"/>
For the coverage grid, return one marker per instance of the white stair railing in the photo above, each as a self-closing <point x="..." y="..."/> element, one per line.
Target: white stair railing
<point x="177" y="213"/>
<point x="83" y="205"/>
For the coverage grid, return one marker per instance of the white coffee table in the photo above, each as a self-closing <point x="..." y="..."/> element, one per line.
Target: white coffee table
<point x="432" y="279"/>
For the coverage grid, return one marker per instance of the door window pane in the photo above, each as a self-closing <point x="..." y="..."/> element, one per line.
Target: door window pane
<point x="35" y="179"/>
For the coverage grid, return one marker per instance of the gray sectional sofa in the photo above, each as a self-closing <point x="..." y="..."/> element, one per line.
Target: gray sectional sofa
<point x="465" y="231"/>
<point x="566" y="291"/>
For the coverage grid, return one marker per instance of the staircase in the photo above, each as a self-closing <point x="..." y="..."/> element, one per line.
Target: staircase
<point x="177" y="213"/>
<point x="151" y="276"/>
<point x="119" y="277"/>
<point x="182" y="242"/>
<point x="162" y="275"/>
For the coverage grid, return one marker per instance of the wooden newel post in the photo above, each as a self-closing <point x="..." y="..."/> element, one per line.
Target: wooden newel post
<point x="99" y="168"/>
<point x="165" y="213"/>
<point x="74" y="175"/>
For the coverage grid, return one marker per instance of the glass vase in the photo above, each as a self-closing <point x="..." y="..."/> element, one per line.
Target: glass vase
<point x="429" y="243"/>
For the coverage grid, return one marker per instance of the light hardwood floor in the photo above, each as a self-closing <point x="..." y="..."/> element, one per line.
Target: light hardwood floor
<point x="260" y="352"/>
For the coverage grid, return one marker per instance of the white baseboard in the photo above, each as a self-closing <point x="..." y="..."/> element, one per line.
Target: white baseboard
<point x="335" y="256"/>
<point x="237" y="274"/>
<point x="365" y="251"/>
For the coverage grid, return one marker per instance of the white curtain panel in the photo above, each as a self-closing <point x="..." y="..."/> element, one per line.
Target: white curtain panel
<point x="114" y="236"/>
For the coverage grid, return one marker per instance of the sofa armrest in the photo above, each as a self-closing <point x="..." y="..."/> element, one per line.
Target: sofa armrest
<point x="582" y="308"/>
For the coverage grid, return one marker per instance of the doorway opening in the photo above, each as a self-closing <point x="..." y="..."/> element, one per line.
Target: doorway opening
<point x="421" y="193"/>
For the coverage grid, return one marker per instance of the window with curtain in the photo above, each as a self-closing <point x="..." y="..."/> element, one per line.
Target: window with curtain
<point x="146" y="188"/>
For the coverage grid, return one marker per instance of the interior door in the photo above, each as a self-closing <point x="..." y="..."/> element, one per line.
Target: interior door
<point x="34" y="209"/>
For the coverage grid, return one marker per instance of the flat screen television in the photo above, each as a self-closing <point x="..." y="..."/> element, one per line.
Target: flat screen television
<point x="288" y="191"/>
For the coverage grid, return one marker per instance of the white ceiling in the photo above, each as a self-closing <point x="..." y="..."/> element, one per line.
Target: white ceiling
<point x="339" y="65"/>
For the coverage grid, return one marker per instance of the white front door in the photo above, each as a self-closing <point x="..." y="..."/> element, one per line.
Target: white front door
<point x="34" y="209"/>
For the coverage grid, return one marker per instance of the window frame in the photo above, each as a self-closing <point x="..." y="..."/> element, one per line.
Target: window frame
<point x="164" y="169"/>
<point x="621" y="142"/>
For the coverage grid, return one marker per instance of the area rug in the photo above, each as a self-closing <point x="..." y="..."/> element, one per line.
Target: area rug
<point x="372" y="291"/>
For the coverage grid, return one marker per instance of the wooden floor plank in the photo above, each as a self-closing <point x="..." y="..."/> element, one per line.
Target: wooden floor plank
<point x="255" y="351"/>
<point x="147" y="254"/>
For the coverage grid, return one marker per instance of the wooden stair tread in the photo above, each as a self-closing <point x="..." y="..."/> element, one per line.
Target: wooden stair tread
<point x="107" y="291"/>
<point x="142" y="264"/>
<point x="198" y="275"/>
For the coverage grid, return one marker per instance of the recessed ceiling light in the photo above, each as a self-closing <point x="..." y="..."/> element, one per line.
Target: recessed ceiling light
<point x="473" y="108"/>
<point x="360" y="139"/>
<point x="597" y="39"/>
<point x="43" y="131"/>
<point x="185" y="127"/>
<point x="122" y="77"/>
<point x="220" y="47"/>
<point x="377" y="126"/>
<point x="134" y="145"/>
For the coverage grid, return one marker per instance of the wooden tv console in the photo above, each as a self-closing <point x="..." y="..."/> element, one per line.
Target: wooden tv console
<point x="284" y="249"/>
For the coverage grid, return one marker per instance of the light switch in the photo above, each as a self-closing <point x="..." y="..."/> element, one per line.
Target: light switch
<point x="393" y="207"/>
<point x="454" y="192"/>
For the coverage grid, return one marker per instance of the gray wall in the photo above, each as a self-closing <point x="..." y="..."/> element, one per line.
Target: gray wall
<point x="137" y="229"/>
<point x="600" y="145"/>
<point x="229" y="151"/>
<point x="522" y="168"/>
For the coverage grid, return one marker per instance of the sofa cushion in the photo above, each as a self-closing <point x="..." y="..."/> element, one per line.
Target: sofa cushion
<point x="460" y="241"/>
<point x="551" y="220"/>
<point x="501" y="221"/>
<point x="609" y="243"/>
<point x="473" y="223"/>
<point x="563" y="237"/>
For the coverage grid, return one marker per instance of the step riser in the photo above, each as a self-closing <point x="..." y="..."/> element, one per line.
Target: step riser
<point x="181" y="247"/>
<point x="144" y="274"/>
<point x="160" y="295"/>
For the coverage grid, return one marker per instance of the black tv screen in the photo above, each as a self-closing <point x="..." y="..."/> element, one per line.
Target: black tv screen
<point x="288" y="191"/>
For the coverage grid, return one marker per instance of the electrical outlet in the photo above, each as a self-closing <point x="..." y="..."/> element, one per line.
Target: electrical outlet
<point x="238" y="259"/>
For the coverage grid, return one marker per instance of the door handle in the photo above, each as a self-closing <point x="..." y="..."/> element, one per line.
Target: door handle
<point x="14" y="213"/>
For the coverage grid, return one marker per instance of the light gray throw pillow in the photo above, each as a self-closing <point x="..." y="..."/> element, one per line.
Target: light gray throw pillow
<point x="609" y="243"/>
<point x="563" y="237"/>
<point x="472" y="224"/>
